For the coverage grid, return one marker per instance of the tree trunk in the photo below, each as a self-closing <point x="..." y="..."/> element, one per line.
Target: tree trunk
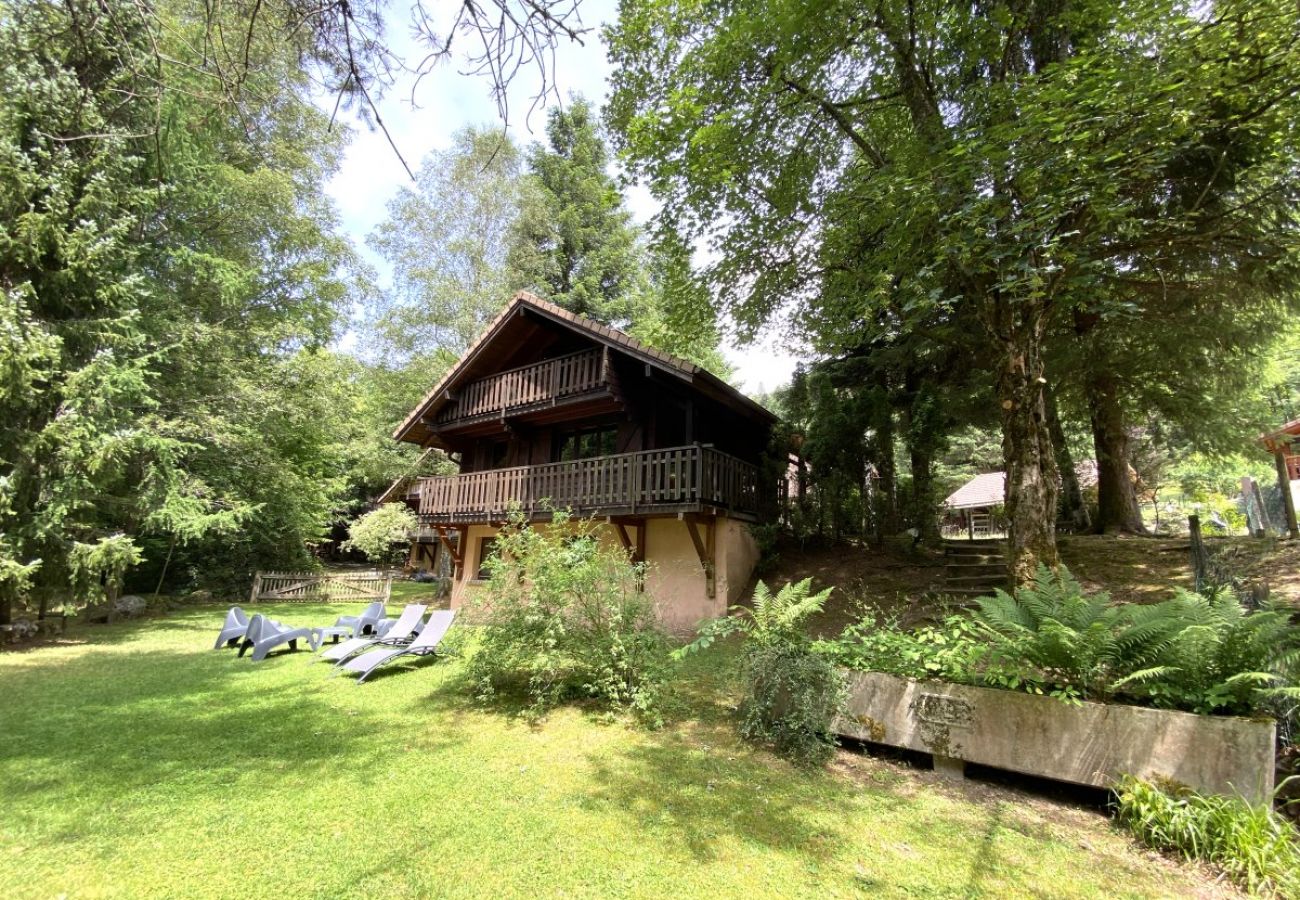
<point x="1031" y="475"/>
<point x="887" y="474"/>
<point x="1072" y="508"/>
<point x="923" y="505"/>
<point x="1117" y="506"/>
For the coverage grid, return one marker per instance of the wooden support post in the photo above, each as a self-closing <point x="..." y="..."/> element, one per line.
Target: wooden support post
<point x="257" y="588"/>
<point x="704" y="548"/>
<point x="1288" y="501"/>
<point x="621" y="530"/>
<point x="455" y="552"/>
<point x="1200" y="559"/>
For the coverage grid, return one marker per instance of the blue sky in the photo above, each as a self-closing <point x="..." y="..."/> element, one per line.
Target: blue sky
<point x="446" y="101"/>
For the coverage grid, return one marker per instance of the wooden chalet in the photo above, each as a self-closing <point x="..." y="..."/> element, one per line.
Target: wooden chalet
<point x="1284" y="445"/>
<point x="552" y="410"/>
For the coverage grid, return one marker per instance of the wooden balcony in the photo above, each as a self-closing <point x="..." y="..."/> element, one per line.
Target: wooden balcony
<point x="649" y="482"/>
<point x="539" y="385"/>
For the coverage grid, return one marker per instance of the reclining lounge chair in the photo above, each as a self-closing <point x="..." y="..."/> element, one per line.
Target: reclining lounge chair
<point x="235" y="628"/>
<point x="366" y="623"/>
<point x="401" y="632"/>
<point x="424" y="645"/>
<point x="264" y="635"/>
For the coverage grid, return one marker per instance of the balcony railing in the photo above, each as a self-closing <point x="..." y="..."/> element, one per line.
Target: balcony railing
<point x="650" y="481"/>
<point x="543" y="382"/>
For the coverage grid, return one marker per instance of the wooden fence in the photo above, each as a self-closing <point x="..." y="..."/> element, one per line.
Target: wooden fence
<point x="321" y="587"/>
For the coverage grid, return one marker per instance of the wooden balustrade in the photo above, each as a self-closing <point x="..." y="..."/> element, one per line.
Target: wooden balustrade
<point x="546" y="381"/>
<point x="647" y="481"/>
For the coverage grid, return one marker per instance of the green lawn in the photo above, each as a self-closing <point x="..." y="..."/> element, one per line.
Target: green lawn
<point x="137" y="762"/>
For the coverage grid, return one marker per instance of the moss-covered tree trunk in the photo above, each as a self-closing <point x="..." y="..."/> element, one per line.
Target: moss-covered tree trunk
<point x="1028" y="454"/>
<point x="1117" y="506"/>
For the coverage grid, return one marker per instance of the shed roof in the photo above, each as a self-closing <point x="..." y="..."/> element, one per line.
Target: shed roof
<point x="982" y="490"/>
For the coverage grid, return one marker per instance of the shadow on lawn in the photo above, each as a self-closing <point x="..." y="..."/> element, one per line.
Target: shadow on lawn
<point x="112" y="720"/>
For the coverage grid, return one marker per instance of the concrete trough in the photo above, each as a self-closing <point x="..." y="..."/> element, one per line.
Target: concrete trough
<point x="1091" y="743"/>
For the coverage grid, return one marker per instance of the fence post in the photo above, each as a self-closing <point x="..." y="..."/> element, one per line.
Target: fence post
<point x="1200" y="560"/>
<point x="257" y="588"/>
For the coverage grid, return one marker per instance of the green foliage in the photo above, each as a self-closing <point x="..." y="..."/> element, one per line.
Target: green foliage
<point x="565" y="618"/>
<point x="446" y="238"/>
<point x="791" y="694"/>
<point x="168" y="270"/>
<point x="1201" y="654"/>
<point x="1254" y="845"/>
<point x="383" y="534"/>
<point x="577" y="245"/>
<point x="950" y="651"/>
<point x="1221" y="658"/>
<point x="1196" y="653"/>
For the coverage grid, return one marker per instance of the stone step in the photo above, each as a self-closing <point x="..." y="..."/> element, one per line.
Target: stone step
<point x="997" y="569"/>
<point x="966" y="591"/>
<point x="991" y="581"/>
<point x="975" y="559"/>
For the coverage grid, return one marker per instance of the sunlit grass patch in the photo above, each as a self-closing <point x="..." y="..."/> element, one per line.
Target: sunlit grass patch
<point x="138" y="762"/>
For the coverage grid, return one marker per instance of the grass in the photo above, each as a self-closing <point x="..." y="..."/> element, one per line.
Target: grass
<point x="137" y="762"/>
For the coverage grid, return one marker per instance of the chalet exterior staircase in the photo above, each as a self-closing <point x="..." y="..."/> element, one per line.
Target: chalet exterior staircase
<point x="974" y="568"/>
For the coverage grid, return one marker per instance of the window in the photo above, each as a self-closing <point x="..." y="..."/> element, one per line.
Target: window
<point x="486" y="547"/>
<point x="585" y="443"/>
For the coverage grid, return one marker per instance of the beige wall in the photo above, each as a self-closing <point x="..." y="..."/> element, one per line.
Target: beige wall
<point x="675" y="578"/>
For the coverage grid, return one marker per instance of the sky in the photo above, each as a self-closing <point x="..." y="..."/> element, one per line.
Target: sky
<point x="422" y="118"/>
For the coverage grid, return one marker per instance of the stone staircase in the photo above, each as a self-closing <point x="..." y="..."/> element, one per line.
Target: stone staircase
<point x="974" y="568"/>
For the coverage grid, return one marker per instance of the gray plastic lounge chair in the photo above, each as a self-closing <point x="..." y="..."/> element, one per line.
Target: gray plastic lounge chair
<point x="365" y="623"/>
<point x="264" y="635"/>
<point x="425" y="645"/>
<point x="236" y="627"/>
<point x="401" y="632"/>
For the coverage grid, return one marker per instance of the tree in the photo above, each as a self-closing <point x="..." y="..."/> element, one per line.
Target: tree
<point x="383" y="534"/>
<point x="1005" y="159"/>
<point x="446" y="238"/>
<point x="167" y="264"/>
<point x="577" y="246"/>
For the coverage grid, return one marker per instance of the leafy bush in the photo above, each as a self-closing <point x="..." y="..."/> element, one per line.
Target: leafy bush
<point x="791" y="693"/>
<point x="382" y="534"/>
<point x="1221" y="658"/>
<point x="1192" y="652"/>
<point x="1203" y="654"/>
<point x="1253" y="844"/>
<point x="951" y="651"/>
<point x="565" y="618"/>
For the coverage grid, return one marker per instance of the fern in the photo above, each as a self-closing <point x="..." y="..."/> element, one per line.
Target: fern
<point x="1203" y="653"/>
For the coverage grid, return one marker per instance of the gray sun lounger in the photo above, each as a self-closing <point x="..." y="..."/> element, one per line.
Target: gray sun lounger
<point x="425" y="645"/>
<point x="235" y="628"/>
<point x="402" y="631"/>
<point x="264" y="635"/>
<point x="367" y="622"/>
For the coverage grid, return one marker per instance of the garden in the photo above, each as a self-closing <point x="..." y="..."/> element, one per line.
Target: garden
<point x="561" y="742"/>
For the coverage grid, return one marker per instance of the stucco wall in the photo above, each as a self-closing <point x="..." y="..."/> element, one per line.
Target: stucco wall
<point x="675" y="578"/>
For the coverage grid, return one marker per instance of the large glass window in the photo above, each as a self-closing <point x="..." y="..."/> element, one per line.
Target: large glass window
<point x="486" y="547"/>
<point x="585" y="443"/>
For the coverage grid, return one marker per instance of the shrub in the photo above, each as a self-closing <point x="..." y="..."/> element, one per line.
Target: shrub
<point x="565" y="618"/>
<point x="950" y="651"/>
<point x="382" y="534"/>
<point x="791" y="693"/>
<point x="1252" y="844"/>
<point x="1203" y="654"/>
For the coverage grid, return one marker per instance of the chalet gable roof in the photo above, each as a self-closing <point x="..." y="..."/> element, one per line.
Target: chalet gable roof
<point x="526" y="303"/>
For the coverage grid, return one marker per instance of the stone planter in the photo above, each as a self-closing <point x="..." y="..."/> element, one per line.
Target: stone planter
<point x="1092" y="743"/>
